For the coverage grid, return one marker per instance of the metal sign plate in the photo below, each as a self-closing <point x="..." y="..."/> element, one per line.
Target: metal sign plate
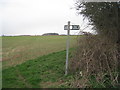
<point x="65" y="27"/>
<point x="73" y="27"/>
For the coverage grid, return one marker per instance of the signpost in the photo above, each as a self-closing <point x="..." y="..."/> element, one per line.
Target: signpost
<point x="67" y="27"/>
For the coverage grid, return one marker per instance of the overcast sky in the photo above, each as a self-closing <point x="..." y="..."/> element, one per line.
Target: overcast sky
<point x="35" y="17"/>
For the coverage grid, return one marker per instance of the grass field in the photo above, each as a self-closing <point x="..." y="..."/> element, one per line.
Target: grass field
<point x="40" y="64"/>
<point x="18" y="49"/>
<point x="43" y="72"/>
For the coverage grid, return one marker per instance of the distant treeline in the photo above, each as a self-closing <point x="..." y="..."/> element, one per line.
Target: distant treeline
<point x="45" y="34"/>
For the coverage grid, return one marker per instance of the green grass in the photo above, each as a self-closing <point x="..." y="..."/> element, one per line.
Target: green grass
<point x="43" y="72"/>
<point x="18" y="49"/>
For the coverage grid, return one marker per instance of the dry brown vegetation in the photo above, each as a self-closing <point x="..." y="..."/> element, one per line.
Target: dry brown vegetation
<point x="95" y="62"/>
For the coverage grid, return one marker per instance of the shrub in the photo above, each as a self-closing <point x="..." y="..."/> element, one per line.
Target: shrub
<point x="95" y="60"/>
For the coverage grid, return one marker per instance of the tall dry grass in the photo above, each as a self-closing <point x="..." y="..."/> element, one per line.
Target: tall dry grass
<point x="95" y="62"/>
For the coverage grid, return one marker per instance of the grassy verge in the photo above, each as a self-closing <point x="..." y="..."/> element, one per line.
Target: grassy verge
<point x="43" y="72"/>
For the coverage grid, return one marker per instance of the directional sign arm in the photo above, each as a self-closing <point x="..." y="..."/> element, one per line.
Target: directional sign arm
<point x="74" y="27"/>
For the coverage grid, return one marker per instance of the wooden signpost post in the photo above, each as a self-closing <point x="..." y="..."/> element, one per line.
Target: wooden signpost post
<point x="67" y="27"/>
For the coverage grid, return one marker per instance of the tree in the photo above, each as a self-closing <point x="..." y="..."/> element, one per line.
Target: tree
<point x="104" y="16"/>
